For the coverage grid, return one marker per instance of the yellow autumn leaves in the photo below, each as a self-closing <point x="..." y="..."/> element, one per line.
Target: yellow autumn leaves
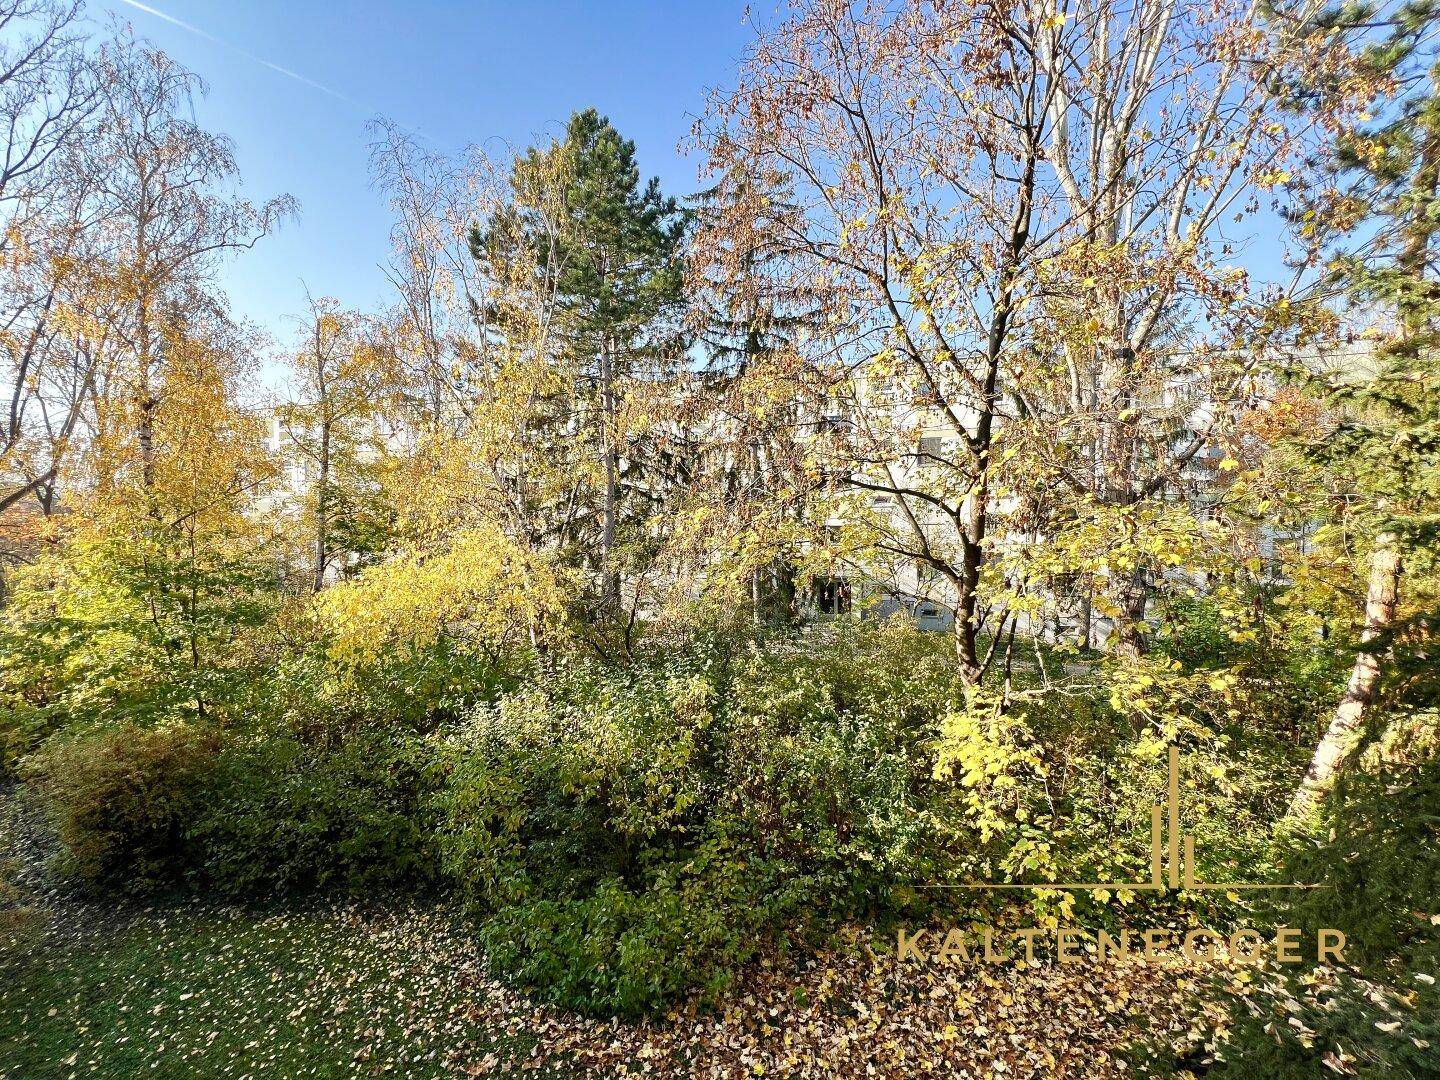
<point x="479" y="587"/>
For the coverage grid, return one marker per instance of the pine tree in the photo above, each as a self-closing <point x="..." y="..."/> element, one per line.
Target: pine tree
<point x="1379" y="224"/>
<point x="747" y="305"/>
<point x="613" y="260"/>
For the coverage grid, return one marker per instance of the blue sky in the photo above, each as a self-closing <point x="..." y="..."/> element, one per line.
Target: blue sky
<point x="461" y="72"/>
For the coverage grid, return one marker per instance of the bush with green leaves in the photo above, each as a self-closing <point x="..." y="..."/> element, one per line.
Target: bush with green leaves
<point x="248" y="814"/>
<point x="627" y="947"/>
<point x="1294" y="1024"/>
<point x="1376" y="854"/>
<point x="122" y="799"/>
<point x="1059" y="785"/>
<point x="694" y="807"/>
<point x="1289" y="674"/>
<point x="276" y="815"/>
<point x="698" y="804"/>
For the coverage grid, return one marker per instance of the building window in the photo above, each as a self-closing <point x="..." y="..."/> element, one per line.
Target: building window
<point x="925" y="398"/>
<point x="832" y="596"/>
<point x="932" y="444"/>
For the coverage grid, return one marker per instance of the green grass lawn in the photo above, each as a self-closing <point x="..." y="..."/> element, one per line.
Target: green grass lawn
<point x="220" y="992"/>
<point x="198" y="991"/>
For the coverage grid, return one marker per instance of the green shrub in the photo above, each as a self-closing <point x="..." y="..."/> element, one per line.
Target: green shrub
<point x="627" y="834"/>
<point x="595" y="775"/>
<point x="553" y="789"/>
<point x="628" y="950"/>
<point x="1289" y="675"/>
<point x="613" y="823"/>
<point x="121" y="798"/>
<point x="844" y="797"/>
<point x="1378" y="854"/>
<point x="276" y="815"/>
<point x="250" y="814"/>
<point x="1296" y="1025"/>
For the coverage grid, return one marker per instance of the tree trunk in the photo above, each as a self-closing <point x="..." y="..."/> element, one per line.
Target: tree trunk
<point x="145" y="434"/>
<point x="1130" y="633"/>
<point x="610" y="580"/>
<point x="322" y="509"/>
<point x="785" y="592"/>
<point x="1382" y="592"/>
<point x="1380" y="602"/>
<point x="145" y="358"/>
<point x="758" y="591"/>
<point x="967" y="637"/>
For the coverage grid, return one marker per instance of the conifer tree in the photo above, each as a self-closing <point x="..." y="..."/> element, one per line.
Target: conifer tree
<point x="1378" y="224"/>
<point x="613" y="265"/>
<point x="750" y="317"/>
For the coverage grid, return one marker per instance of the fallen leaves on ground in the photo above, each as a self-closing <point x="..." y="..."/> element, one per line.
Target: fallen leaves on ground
<point x="855" y="1011"/>
<point x="407" y="992"/>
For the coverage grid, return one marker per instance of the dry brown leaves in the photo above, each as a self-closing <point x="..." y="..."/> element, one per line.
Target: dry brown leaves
<point x="856" y="1012"/>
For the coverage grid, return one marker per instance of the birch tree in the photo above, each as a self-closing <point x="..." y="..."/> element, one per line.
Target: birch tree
<point x="439" y="320"/>
<point x="162" y="182"/>
<point x="48" y="94"/>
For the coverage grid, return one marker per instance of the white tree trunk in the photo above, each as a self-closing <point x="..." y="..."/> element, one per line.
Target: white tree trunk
<point x="1380" y="602"/>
